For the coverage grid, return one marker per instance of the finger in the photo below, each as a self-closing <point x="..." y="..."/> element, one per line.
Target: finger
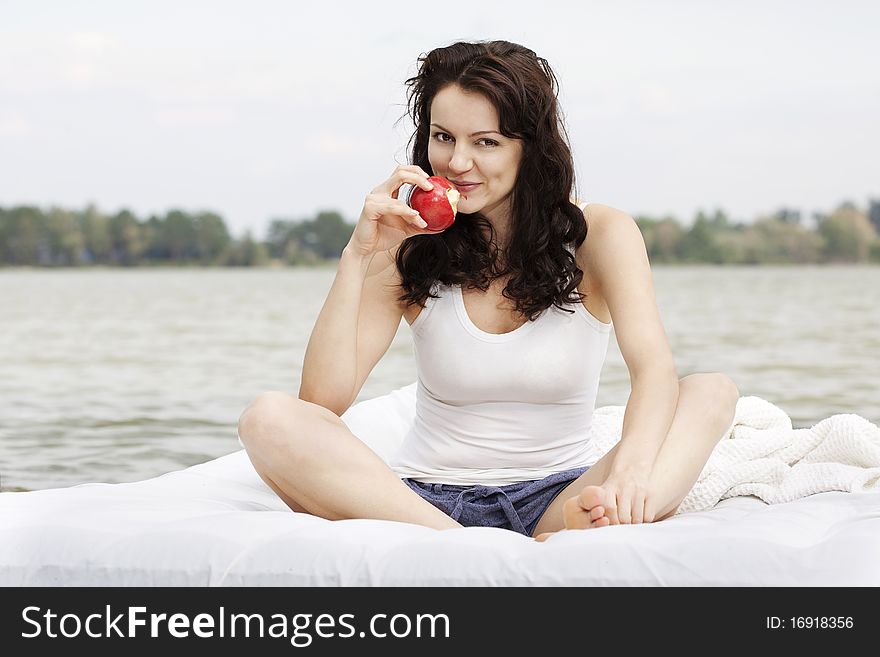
<point x="419" y="223"/>
<point x="402" y="177"/>
<point x="425" y="184"/>
<point x="543" y="537"/>
<point x="422" y="183"/>
<point x="412" y="218"/>
<point x="417" y="220"/>
<point x="413" y="167"/>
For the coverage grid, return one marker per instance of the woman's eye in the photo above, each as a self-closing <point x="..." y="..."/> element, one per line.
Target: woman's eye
<point x="489" y="142"/>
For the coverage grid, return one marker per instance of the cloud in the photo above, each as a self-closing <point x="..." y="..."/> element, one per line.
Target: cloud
<point x="658" y="99"/>
<point x="92" y="42"/>
<point x="336" y="144"/>
<point x="14" y="125"/>
<point x="199" y="116"/>
<point x="88" y="58"/>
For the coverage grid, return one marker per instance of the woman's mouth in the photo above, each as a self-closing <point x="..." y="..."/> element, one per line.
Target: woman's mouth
<point x="466" y="188"/>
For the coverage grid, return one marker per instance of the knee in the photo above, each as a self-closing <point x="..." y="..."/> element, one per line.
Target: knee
<point x="724" y="388"/>
<point x="267" y="417"/>
<point x="716" y="389"/>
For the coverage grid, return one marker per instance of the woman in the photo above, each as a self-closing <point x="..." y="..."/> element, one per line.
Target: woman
<point x="511" y="309"/>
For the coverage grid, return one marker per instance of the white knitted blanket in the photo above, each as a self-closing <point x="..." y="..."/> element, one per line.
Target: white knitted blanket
<point x="763" y="455"/>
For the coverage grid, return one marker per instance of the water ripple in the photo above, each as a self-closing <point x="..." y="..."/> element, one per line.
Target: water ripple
<point x="121" y="375"/>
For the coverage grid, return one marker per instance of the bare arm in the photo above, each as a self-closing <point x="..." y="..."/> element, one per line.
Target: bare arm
<point x="361" y="314"/>
<point x="330" y="363"/>
<point x="618" y="260"/>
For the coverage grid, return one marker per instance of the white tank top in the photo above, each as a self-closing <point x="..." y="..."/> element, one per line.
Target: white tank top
<point x="501" y="408"/>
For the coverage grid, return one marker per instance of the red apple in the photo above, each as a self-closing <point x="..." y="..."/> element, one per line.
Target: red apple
<point x="438" y="206"/>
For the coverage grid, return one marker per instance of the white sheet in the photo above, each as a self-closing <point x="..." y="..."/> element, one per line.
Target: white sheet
<point x="218" y="524"/>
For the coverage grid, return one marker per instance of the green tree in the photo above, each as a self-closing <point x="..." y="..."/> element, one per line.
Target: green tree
<point x="874" y="213"/>
<point x="325" y="237"/>
<point x="246" y="252"/>
<point x="279" y="238"/>
<point x="698" y="243"/>
<point x="661" y="237"/>
<point x="96" y="234"/>
<point x="65" y="236"/>
<point x="668" y="234"/>
<point x="24" y="236"/>
<point x="211" y="236"/>
<point x="788" y="216"/>
<point x="179" y="235"/>
<point x="776" y="240"/>
<point x="128" y="237"/>
<point x="157" y="248"/>
<point x="848" y="235"/>
<point x="720" y="220"/>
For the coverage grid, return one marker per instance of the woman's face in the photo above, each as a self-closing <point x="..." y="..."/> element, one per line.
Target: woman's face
<point x="458" y="154"/>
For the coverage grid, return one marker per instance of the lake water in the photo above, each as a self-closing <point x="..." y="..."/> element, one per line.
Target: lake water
<point x="118" y="375"/>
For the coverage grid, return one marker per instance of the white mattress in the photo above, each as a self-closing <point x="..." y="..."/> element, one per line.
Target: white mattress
<point x="217" y="524"/>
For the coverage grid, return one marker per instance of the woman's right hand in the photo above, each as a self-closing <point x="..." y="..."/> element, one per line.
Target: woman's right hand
<point x="386" y="220"/>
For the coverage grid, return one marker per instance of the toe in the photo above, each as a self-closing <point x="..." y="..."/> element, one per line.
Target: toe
<point x="583" y="510"/>
<point x="574" y="515"/>
<point x="591" y="496"/>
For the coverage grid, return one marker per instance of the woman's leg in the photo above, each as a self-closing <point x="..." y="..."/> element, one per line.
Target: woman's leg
<point x="706" y="407"/>
<point x="308" y="456"/>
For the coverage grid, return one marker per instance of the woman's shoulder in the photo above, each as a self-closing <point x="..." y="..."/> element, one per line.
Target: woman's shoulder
<point x="608" y="229"/>
<point x="597" y="214"/>
<point x="598" y="218"/>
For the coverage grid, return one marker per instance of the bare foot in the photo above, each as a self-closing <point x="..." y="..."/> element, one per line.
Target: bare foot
<point x="584" y="511"/>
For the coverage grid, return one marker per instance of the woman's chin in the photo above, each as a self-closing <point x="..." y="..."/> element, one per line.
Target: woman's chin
<point x="468" y="206"/>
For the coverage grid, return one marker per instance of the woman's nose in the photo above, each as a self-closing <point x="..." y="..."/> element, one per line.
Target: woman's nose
<point x="461" y="161"/>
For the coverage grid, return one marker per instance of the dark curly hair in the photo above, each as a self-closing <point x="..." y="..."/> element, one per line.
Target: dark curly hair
<point x="523" y="89"/>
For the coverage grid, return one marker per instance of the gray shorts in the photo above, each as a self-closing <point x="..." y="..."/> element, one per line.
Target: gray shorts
<point x="518" y="506"/>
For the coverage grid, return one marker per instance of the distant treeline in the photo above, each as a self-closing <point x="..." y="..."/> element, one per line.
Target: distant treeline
<point x="846" y="235"/>
<point x="30" y="236"/>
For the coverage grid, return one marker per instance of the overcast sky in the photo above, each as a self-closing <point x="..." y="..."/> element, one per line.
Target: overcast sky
<point x="264" y="109"/>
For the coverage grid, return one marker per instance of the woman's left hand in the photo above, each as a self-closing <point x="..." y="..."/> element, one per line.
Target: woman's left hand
<point x="629" y="500"/>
